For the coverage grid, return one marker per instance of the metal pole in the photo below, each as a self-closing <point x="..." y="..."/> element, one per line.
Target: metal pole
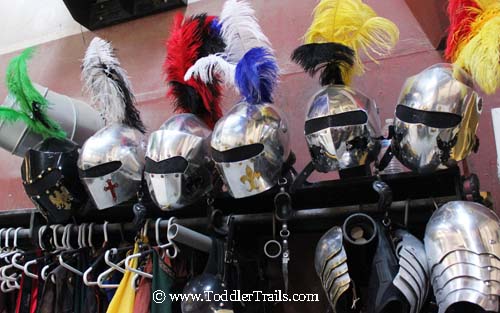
<point x="258" y="218"/>
<point x="189" y="237"/>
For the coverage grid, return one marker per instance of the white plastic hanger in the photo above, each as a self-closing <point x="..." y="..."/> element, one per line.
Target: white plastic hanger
<point x="32" y="262"/>
<point x="67" y="231"/>
<point x="86" y="280"/>
<point x="44" y="272"/>
<point x="112" y="266"/>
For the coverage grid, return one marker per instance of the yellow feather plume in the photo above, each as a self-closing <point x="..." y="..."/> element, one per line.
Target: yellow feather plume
<point x="480" y="57"/>
<point x="479" y="54"/>
<point x="355" y="25"/>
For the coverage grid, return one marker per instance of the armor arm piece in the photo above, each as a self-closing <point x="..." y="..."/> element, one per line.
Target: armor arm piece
<point x="462" y="225"/>
<point x="413" y="269"/>
<point x="463" y="251"/>
<point x="331" y="266"/>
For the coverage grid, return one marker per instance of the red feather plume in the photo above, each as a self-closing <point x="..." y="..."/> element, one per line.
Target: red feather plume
<point x="461" y="13"/>
<point x="187" y="43"/>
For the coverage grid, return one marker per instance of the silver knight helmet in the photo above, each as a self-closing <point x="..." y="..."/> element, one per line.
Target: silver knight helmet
<point x="112" y="160"/>
<point x="342" y="129"/>
<point x="177" y="168"/>
<point x="111" y="164"/>
<point x="250" y="144"/>
<point x="50" y="179"/>
<point x="436" y="119"/>
<point x="462" y="243"/>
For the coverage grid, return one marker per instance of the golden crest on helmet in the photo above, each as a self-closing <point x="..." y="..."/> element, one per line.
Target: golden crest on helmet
<point x="251" y="177"/>
<point x="61" y="198"/>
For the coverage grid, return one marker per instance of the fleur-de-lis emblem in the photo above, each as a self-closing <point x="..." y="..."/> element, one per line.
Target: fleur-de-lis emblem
<point x="61" y="198"/>
<point x="250" y="177"/>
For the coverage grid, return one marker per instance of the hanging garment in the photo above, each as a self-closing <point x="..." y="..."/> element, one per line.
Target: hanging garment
<point x="58" y="297"/>
<point x="123" y="301"/>
<point x="85" y="300"/>
<point x="41" y="284"/>
<point x="163" y="279"/>
<point x="143" y="294"/>
<point x="114" y="279"/>
<point x="24" y="295"/>
<point x="34" y="294"/>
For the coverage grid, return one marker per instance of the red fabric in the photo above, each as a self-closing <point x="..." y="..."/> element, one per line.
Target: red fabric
<point x="183" y="50"/>
<point x="143" y="293"/>
<point x="462" y="13"/>
<point x="34" y="296"/>
<point x="19" y="295"/>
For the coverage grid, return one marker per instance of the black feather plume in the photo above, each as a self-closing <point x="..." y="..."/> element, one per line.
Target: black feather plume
<point x="132" y="115"/>
<point x="211" y="39"/>
<point x="334" y="60"/>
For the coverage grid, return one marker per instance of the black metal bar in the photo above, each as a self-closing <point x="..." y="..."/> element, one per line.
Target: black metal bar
<point x="305" y="215"/>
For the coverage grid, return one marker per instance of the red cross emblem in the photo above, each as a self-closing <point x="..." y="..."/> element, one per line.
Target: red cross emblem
<point x="111" y="188"/>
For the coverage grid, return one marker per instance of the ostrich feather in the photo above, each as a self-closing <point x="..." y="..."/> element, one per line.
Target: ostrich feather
<point x="481" y="56"/>
<point x="462" y="14"/>
<point x="32" y="105"/>
<point x="332" y="59"/>
<point x="354" y="24"/>
<point x="212" y="68"/>
<point x="240" y="30"/>
<point x="256" y="76"/>
<point x="108" y="85"/>
<point x="193" y="38"/>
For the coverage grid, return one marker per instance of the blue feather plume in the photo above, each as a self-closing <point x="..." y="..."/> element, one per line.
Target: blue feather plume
<point x="216" y="27"/>
<point x="256" y="75"/>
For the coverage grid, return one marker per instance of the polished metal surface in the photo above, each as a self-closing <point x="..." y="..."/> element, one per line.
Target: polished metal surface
<point x="329" y="245"/>
<point x="201" y="286"/>
<point x="461" y="225"/>
<point x="439" y="88"/>
<point x="412" y="276"/>
<point x="333" y="264"/>
<point x="330" y="262"/>
<point x="485" y="287"/>
<point x="487" y="302"/>
<point x="413" y="269"/>
<point x="467" y="270"/>
<point x="342" y="147"/>
<point x="407" y="291"/>
<point x="246" y="125"/>
<point x="338" y="288"/>
<point x="333" y="273"/>
<point x="183" y="135"/>
<point x="463" y="252"/>
<point x="465" y="257"/>
<point x="113" y="143"/>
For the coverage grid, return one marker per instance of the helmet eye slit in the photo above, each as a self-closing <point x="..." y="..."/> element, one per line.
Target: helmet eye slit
<point x="357" y="117"/>
<point x="172" y="165"/>
<point x="237" y="154"/>
<point x="101" y="170"/>
<point x="429" y="118"/>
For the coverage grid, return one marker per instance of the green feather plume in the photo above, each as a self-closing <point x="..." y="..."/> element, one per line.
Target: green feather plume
<point x="33" y="106"/>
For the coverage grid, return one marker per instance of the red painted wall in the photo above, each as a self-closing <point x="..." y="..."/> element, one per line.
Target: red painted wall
<point x="141" y="51"/>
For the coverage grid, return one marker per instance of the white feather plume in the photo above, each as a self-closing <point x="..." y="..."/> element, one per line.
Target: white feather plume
<point x="210" y="68"/>
<point x="99" y="66"/>
<point x="240" y="30"/>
